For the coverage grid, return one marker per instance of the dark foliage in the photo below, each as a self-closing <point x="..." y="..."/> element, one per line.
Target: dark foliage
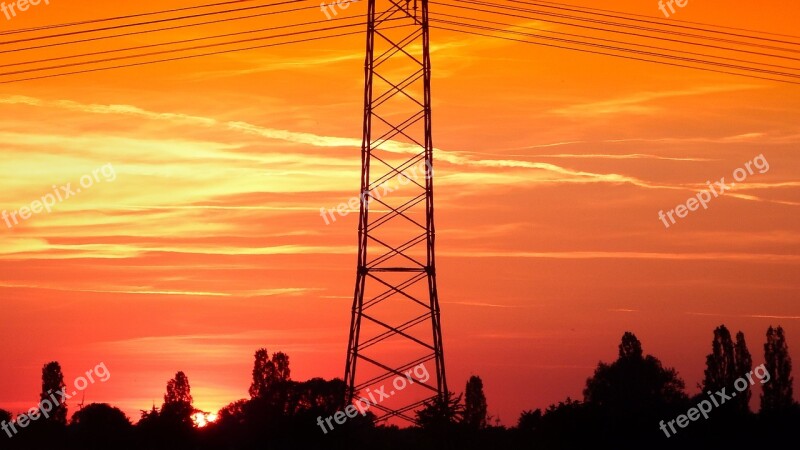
<point x="100" y="426"/>
<point x="475" y="408"/>
<point x="778" y="393"/>
<point x="624" y="403"/>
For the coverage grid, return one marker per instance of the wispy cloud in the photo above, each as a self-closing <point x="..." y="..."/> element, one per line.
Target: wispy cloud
<point x="640" y="103"/>
<point x="593" y="155"/>
<point x="150" y="290"/>
<point x="743" y="257"/>
<point x="481" y="304"/>
<point x="557" y="174"/>
<point x="41" y="249"/>
<point x="750" y="316"/>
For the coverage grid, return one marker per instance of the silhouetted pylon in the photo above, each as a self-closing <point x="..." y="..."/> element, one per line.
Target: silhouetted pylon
<point x="395" y="330"/>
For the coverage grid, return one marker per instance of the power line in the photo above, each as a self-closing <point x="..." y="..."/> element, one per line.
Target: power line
<point x="615" y="41"/>
<point x="747" y="66"/>
<point x="176" y="27"/>
<point x="163" y="52"/>
<point x="297" y="9"/>
<point x="614" y="55"/>
<point x="656" y="22"/>
<point x="624" y="25"/>
<point x="629" y="50"/>
<point x="109" y="19"/>
<point x="672" y="20"/>
<point x="627" y="33"/>
<point x="481" y="3"/>
<point x="127" y="25"/>
<point x="184" y="41"/>
<point x="178" y="58"/>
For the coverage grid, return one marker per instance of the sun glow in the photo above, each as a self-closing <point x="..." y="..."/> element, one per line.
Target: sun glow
<point x="201" y="419"/>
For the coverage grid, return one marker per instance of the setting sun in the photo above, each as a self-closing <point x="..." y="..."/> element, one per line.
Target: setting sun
<point x="202" y="419"/>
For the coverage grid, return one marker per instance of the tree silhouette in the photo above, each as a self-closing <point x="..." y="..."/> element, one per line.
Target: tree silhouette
<point x="52" y="384"/>
<point x="100" y="426"/>
<point x="150" y="415"/>
<point x="267" y="372"/>
<point x="777" y="393"/>
<point x="529" y="421"/>
<point x="5" y="419"/>
<point x="233" y="413"/>
<point x="634" y="389"/>
<point x="720" y="369"/>
<point x="317" y="395"/>
<point x="177" y="408"/>
<point x="630" y="348"/>
<point x="565" y="426"/>
<point x="624" y="402"/>
<point x="150" y="420"/>
<point x="99" y="416"/>
<point x="280" y="362"/>
<point x="172" y="426"/>
<point x="263" y="374"/>
<point x="178" y="390"/>
<point x="439" y="413"/>
<point x="271" y="390"/>
<point x="475" y="404"/>
<point x="743" y="364"/>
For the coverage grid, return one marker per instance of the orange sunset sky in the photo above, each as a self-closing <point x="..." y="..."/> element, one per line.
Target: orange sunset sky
<point x="551" y="167"/>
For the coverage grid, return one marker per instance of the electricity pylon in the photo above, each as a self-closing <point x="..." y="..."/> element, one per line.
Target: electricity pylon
<point x="395" y="330"/>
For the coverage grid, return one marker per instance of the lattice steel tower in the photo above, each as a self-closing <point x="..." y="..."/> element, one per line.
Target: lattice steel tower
<point x="395" y="331"/>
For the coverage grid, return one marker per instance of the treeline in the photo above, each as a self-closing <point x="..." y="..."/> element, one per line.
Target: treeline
<point x="633" y="402"/>
<point x="636" y="402"/>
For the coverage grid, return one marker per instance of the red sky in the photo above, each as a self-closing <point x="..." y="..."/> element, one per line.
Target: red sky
<point x="551" y="169"/>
